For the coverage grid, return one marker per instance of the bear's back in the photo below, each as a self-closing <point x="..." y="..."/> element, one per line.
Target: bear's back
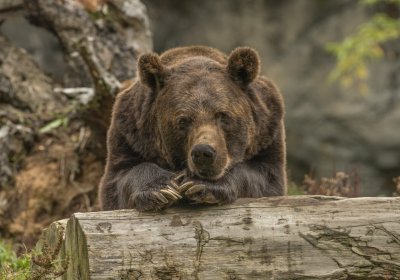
<point x="177" y="55"/>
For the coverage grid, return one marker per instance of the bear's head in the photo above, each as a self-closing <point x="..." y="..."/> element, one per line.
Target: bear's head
<point x="203" y="112"/>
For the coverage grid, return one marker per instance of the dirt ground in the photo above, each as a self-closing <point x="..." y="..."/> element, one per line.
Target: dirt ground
<point x="59" y="177"/>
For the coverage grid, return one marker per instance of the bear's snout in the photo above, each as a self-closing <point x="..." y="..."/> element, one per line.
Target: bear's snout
<point x="203" y="155"/>
<point x="207" y="155"/>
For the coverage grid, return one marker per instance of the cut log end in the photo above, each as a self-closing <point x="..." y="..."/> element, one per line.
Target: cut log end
<point x="295" y="237"/>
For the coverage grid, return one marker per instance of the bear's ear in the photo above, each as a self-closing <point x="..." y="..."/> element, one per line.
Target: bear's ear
<point x="243" y="65"/>
<point x="150" y="70"/>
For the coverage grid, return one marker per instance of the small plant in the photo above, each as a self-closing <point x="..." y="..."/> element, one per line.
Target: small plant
<point x="47" y="264"/>
<point x="54" y="124"/>
<point x="397" y="186"/>
<point x="357" y="50"/>
<point x="341" y="184"/>
<point x="294" y="189"/>
<point x="33" y="265"/>
<point x="11" y="266"/>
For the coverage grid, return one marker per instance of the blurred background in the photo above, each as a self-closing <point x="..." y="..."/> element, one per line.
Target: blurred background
<point x="354" y="127"/>
<point x="337" y="63"/>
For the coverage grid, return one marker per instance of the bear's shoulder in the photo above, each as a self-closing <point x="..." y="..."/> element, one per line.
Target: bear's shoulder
<point x="176" y="55"/>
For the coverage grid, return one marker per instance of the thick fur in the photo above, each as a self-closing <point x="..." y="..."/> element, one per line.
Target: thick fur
<point x="180" y="93"/>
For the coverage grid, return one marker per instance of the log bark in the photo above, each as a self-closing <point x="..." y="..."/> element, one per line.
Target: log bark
<point x="295" y="237"/>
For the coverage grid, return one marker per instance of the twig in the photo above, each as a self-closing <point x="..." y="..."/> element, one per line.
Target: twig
<point x="104" y="82"/>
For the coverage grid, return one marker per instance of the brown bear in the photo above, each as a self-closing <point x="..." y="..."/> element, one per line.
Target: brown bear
<point x="196" y="126"/>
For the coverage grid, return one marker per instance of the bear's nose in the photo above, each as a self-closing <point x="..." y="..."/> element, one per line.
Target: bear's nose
<point x="203" y="155"/>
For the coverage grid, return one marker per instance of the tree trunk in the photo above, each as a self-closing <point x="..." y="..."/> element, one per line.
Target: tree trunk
<point x="295" y="237"/>
<point x="6" y="5"/>
<point x="101" y="41"/>
<point x="53" y="129"/>
<point x="26" y="101"/>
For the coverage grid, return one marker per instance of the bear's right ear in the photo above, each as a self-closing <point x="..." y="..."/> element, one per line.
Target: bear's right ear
<point x="243" y="65"/>
<point x="150" y="70"/>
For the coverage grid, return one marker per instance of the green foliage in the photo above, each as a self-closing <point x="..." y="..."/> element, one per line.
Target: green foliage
<point x="42" y="264"/>
<point x="294" y="189"/>
<point x="356" y="51"/>
<point x="11" y="266"/>
<point x="374" y="2"/>
<point x="54" y="124"/>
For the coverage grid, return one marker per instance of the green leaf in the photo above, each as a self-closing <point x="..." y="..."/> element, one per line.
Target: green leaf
<point x="11" y="266"/>
<point x="53" y="124"/>
<point x="374" y="2"/>
<point x="294" y="189"/>
<point x="356" y="51"/>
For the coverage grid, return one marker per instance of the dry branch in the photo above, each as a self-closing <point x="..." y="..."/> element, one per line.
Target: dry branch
<point x="6" y="5"/>
<point x="296" y="237"/>
<point x="26" y="101"/>
<point x="53" y="128"/>
<point x="101" y="47"/>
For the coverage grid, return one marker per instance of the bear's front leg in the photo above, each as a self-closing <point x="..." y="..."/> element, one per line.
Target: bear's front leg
<point x="153" y="190"/>
<point x="209" y="192"/>
<point x="145" y="187"/>
<point x="153" y="197"/>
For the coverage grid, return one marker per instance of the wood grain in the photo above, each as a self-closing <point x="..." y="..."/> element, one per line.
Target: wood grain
<point x="295" y="237"/>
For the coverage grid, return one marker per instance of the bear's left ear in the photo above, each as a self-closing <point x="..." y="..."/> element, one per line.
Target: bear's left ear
<point x="243" y="65"/>
<point x="150" y="70"/>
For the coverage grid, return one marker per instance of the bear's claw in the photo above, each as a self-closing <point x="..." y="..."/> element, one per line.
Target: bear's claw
<point x="200" y="194"/>
<point x="160" y="197"/>
<point x="176" y="190"/>
<point x="174" y="184"/>
<point x="195" y="189"/>
<point x="184" y="187"/>
<point x="179" y="176"/>
<point x="172" y="194"/>
<point x="196" y="192"/>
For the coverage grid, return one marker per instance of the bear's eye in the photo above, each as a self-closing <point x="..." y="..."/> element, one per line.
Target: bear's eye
<point x="183" y="123"/>
<point x="224" y="118"/>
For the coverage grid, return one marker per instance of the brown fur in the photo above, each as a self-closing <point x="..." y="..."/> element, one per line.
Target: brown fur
<point x="187" y="99"/>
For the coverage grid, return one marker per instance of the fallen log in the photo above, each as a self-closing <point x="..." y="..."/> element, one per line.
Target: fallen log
<point x="295" y="237"/>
